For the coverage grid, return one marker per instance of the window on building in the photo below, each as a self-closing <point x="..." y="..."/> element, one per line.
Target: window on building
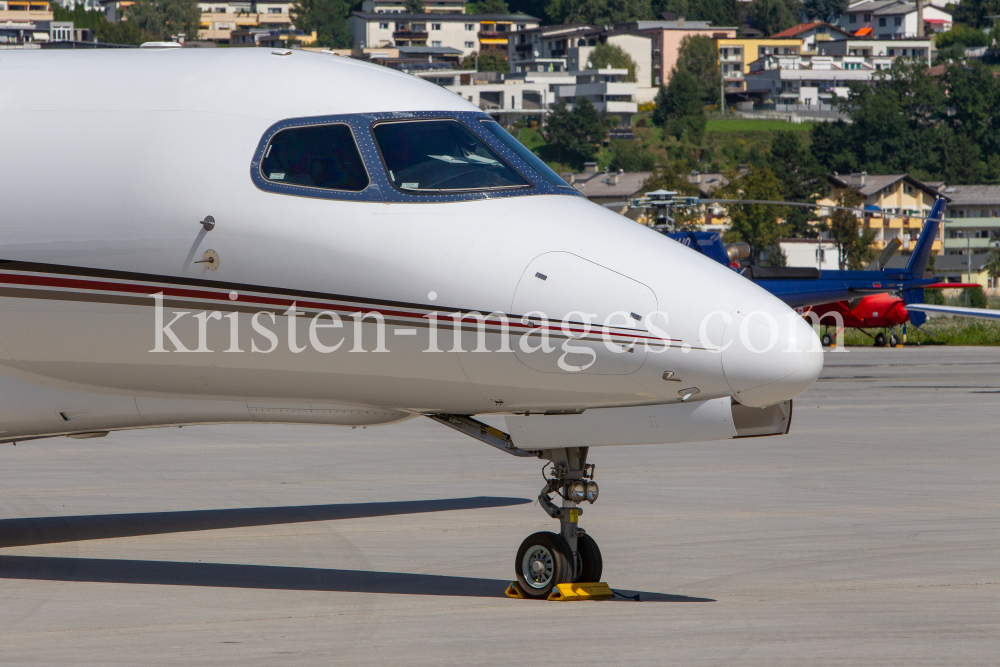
<point x="890" y="52"/>
<point x="274" y="10"/>
<point x="898" y="21"/>
<point x="881" y="22"/>
<point x="435" y="26"/>
<point x="852" y="18"/>
<point x="435" y="43"/>
<point x="441" y="156"/>
<point x="383" y="26"/>
<point x="868" y="18"/>
<point x="470" y="26"/>
<point x="321" y="156"/>
<point x="521" y="26"/>
<point x="470" y="45"/>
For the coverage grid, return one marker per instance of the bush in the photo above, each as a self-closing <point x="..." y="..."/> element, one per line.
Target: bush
<point x="974" y="297"/>
<point x="630" y="156"/>
<point x="962" y="35"/>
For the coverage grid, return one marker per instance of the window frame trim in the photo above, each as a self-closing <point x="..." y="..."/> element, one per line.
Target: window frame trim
<point x="529" y="185"/>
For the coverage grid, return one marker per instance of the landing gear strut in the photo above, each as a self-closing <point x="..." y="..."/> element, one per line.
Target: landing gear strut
<point x="571" y="555"/>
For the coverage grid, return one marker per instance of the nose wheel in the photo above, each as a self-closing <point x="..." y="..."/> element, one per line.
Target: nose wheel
<point x="570" y="556"/>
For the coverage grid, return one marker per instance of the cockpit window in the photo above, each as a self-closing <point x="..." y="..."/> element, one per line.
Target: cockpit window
<point x="441" y="156"/>
<point x="522" y="152"/>
<point x="320" y="156"/>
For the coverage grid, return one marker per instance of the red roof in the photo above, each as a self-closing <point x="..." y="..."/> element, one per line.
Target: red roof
<point x="793" y="31"/>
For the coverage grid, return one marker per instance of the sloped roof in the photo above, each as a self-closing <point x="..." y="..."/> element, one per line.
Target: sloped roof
<point x="875" y="182"/>
<point x="795" y="31"/>
<point x="599" y="184"/>
<point x="973" y="195"/>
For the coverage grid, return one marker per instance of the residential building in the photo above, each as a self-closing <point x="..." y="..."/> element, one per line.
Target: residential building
<point x="470" y="33"/>
<point x="973" y="219"/>
<point x="220" y="19"/>
<point x="891" y="204"/>
<point x="637" y="46"/>
<point x="735" y="56"/>
<point x="813" y="35"/>
<point x="921" y="48"/>
<point x="892" y="19"/>
<point x="24" y="22"/>
<point x="809" y="81"/>
<point x="545" y="49"/>
<point x="608" y="189"/>
<point x="268" y="38"/>
<point x="398" y="7"/>
<point x="819" y="253"/>
<point x="667" y="37"/>
<point x="606" y="89"/>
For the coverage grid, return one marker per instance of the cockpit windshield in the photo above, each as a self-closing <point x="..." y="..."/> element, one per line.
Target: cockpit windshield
<point x="441" y="156"/>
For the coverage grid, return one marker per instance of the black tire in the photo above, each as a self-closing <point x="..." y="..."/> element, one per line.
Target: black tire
<point x="893" y="339"/>
<point x="827" y="340"/>
<point x="556" y="561"/>
<point x="591" y="563"/>
<point x="880" y="339"/>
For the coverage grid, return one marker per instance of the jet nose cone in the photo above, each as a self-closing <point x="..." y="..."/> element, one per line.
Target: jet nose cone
<point x="770" y="353"/>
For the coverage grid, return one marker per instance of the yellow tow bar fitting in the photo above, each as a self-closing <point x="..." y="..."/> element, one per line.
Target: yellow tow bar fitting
<point x="584" y="591"/>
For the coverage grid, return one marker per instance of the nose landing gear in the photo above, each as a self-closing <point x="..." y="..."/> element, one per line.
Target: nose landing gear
<point x="571" y="555"/>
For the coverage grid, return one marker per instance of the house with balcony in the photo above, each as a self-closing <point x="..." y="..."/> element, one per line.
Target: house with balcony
<point x="973" y="214"/>
<point x="24" y="22"/>
<point x="892" y="19"/>
<point x="920" y="48"/>
<point x="220" y="19"/>
<point x="891" y="205"/>
<point x="606" y="89"/>
<point x="810" y="81"/>
<point x="470" y="33"/>
<point x="735" y="56"/>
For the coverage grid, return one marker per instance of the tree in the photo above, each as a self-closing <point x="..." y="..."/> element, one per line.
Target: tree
<point x="599" y="12"/>
<point x="123" y="32"/>
<point x="490" y="61"/>
<point x="755" y="224"/>
<point x="414" y="6"/>
<point x="802" y="179"/>
<point x="165" y="18"/>
<point x="771" y="16"/>
<point x="854" y="241"/>
<point x="719" y="12"/>
<point x="679" y="110"/>
<point x="576" y="134"/>
<point x="699" y="56"/>
<point x="992" y="265"/>
<point x="328" y="18"/>
<point x="668" y="177"/>
<point x="824" y="10"/>
<point x="630" y="156"/>
<point x="490" y="7"/>
<point x="976" y="13"/>
<point x="612" y="55"/>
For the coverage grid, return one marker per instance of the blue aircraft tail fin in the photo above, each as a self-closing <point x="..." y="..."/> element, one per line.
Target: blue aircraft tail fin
<point x="915" y="296"/>
<point x="922" y="250"/>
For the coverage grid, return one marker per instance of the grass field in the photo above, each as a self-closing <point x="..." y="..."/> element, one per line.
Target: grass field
<point x="744" y="125"/>
<point x="939" y="331"/>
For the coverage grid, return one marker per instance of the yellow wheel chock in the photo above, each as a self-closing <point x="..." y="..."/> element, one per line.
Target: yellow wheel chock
<point x="568" y="592"/>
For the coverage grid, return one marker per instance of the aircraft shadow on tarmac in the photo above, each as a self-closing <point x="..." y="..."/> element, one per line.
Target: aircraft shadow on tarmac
<point x="48" y="530"/>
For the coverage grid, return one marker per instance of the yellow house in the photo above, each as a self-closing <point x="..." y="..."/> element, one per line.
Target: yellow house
<point x="17" y="11"/>
<point x="735" y="56"/>
<point x="892" y="203"/>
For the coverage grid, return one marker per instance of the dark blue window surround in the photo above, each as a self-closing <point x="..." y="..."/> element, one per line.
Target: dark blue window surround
<point x="540" y="179"/>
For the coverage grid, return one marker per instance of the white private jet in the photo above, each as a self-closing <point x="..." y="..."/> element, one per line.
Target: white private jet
<point x="245" y="235"/>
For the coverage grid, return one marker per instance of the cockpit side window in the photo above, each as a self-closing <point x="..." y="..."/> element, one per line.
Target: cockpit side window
<point x="440" y="155"/>
<point x="525" y="154"/>
<point x="318" y="156"/>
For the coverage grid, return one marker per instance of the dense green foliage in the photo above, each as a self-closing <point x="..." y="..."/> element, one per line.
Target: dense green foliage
<point x="719" y="12"/>
<point x="962" y="35"/>
<point x="486" y="62"/>
<point x="611" y="55"/>
<point x="755" y="224"/>
<point x="490" y="7"/>
<point x="976" y="13"/>
<point x="699" y="56"/>
<point x="679" y="108"/>
<point x="824" y="10"/>
<point x="575" y="135"/>
<point x="165" y="18"/>
<point x="328" y="18"/>
<point x="802" y="179"/>
<point x="599" y="12"/>
<point x="771" y="16"/>
<point x="907" y="121"/>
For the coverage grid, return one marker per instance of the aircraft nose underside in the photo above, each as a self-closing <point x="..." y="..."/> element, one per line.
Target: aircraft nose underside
<point x="769" y="353"/>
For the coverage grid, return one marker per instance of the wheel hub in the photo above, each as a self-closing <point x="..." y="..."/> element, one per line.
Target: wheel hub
<point x="538" y="566"/>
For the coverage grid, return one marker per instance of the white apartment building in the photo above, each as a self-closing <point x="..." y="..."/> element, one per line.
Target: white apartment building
<point x="469" y="33"/>
<point x="881" y="48"/>
<point x="892" y="19"/>
<point x="809" y="80"/>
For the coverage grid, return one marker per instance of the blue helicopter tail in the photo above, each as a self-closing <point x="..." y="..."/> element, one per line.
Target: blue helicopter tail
<point x="917" y="318"/>
<point x="922" y="250"/>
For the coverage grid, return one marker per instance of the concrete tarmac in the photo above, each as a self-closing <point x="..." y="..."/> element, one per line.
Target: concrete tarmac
<point x="868" y="536"/>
